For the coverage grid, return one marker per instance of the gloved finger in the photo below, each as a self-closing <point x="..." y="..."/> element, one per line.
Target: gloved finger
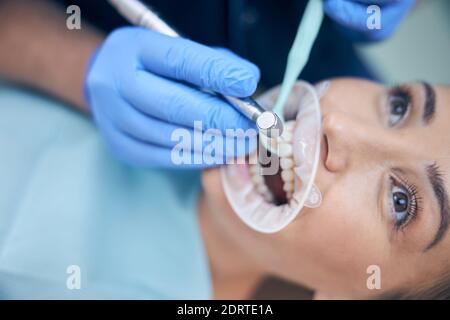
<point x="354" y="15"/>
<point x="139" y="125"/>
<point x="233" y="55"/>
<point x="185" y="60"/>
<point x="156" y="132"/>
<point x="138" y="153"/>
<point x="180" y="104"/>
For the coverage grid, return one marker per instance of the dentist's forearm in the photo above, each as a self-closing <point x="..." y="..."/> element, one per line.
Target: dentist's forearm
<point x="39" y="51"/>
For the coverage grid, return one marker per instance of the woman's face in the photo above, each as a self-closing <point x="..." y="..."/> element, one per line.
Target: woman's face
<point x="383" y="177"/>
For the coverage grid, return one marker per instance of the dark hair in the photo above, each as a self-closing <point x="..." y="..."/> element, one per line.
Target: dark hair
<point x="435" y="290"/>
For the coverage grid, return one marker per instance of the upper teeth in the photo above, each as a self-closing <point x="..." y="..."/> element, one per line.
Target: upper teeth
<point x="284" y="149"/>
<point x="287" y="175"/>
<point x="284" y="145"/>
<point x="286" y="158"/>
<point x="286" y="163"/>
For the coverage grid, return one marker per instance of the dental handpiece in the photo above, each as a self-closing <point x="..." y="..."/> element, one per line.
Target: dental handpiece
<point x="137" y="13"/>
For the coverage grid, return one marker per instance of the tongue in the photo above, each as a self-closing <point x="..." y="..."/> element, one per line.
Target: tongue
<point x="275" y="185"/>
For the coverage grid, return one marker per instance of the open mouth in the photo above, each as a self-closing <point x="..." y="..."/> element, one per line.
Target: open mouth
<point x="267" y="193"/>
<point x="277" y="188"/>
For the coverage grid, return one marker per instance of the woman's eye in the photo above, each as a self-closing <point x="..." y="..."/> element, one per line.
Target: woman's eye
<point x="404" y="204"/>
<point x="400" y="204"/>
<point x="399" y="104"/>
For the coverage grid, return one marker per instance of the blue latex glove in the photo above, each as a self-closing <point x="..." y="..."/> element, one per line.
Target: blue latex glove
<point x="353" y="15"/>
<point x="140" y="88"/>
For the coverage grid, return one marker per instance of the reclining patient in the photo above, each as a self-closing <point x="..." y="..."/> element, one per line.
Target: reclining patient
<point x="77" y="223"/>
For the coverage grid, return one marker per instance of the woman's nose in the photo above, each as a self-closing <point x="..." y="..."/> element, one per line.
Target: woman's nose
<point x="349" y="141"/>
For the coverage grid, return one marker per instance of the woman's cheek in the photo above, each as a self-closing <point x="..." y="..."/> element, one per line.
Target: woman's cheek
<point x="344" y="227"/>
<point x="351" y="213"/>
<point x="336" y="224"/>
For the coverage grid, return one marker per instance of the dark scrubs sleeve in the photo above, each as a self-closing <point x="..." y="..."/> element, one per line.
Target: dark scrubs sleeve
<point x="261" y="31"/>
<point x="264" y="30"/>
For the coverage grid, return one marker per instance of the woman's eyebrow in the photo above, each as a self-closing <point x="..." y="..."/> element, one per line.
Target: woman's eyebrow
<point x="429" y="109"/>
<point x="437" y="184"/>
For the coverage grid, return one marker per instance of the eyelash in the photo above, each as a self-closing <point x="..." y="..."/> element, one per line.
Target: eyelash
<point x="414" y="201"/>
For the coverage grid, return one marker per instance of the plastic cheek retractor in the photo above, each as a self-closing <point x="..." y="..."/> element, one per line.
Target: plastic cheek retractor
<point x="250" y="205"/>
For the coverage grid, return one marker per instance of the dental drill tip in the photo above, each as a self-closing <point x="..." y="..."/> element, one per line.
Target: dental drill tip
<point x="269" y="124"/>
<point x="266" y="120"/>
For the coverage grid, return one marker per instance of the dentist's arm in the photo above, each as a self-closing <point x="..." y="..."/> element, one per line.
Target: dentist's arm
<point x="39" y="51"/>
<point x="139" y="85"/>
<point x="142" y="86"/>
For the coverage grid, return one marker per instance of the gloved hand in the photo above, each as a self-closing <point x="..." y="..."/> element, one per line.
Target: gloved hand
<point x="142" y="85"/>
<point x="353" y="15"/>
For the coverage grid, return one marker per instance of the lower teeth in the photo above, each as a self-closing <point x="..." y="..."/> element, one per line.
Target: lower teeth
<point x="258" y="180"/>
